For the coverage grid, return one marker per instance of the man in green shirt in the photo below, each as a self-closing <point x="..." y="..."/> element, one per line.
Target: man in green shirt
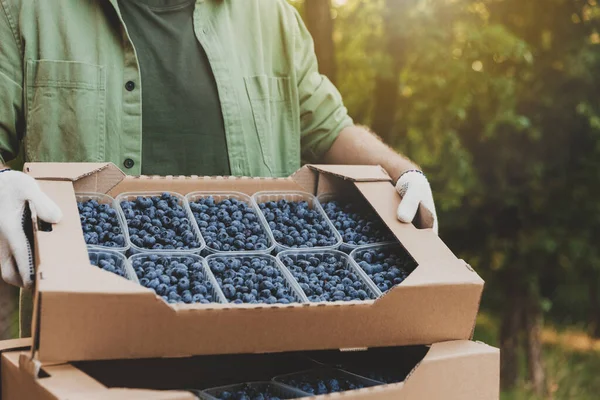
<point x="201" y="87"/>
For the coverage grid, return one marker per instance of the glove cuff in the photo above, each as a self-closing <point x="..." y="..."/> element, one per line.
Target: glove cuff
<point x="410" y="170"/>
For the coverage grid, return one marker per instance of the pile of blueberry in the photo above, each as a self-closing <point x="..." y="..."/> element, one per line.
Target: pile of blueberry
<point x="175" y="278"/>
<point x="159" y="223"/>
<point x="249" y="392"/>
<point x="296" y="225"/>
<point x="108" y="262"/>
<point x="229" y="225"/>
<point x="382" y="375"/>
<point x="386" y="266"/>
<point x="318" y="383"/>
<point x="100" y="224"/>
<point x="251" y="280"/>
<point x="358" y="223"/>
<point x="326" y="278"/>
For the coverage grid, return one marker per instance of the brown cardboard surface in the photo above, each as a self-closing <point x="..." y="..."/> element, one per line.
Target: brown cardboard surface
<point x="66" y="382"/>
<point x="454" y="370"/>
<point x="356" y="173"/>
<point x="86" y="314"/>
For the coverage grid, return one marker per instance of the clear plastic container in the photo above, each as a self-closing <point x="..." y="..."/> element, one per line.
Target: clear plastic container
<point x="219" y="197"/>
<point x="347" y="247"/>
<point x="296" y="255"/>
<point x="357" y="253"/>
<point x="290" y="282"/>
<point x="106" y="199"/>
<point x="325" y="374"/>
<point x="272" y="388"/>
<point x="121" y="262"/>
<point x="206" y="275"/>
<point x="130" y="196"/>
<point x="296" y="196"/>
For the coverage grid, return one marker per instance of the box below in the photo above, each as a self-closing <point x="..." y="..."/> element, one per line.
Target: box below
<point x="449" y="370"/>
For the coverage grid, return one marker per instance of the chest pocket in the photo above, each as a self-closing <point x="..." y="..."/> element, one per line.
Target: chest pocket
<point x="65" y="113"/>
<point x="278" y="135"/>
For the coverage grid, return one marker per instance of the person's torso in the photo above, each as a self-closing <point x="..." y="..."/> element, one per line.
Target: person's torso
<point x="82" y="84"/>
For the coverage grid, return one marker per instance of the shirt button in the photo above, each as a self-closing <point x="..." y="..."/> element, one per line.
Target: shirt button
<point x="128" y="163"/>
<point x="130" y="85"/>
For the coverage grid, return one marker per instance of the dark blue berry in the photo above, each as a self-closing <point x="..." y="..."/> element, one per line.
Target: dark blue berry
<point x="179" y="278"/>
<point x="229" y="225"/>
<point x="325" y="276"/>
<point x="323" y="381"/>
<point x="100" y="224"/>
<point x="251" y="279"/>
<point x="173" y="231"/>
<point x="295" y="224"/>
<point x="386" y="265"/>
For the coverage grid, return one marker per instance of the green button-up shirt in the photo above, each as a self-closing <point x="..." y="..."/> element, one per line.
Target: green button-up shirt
<point x="70" y="85"/>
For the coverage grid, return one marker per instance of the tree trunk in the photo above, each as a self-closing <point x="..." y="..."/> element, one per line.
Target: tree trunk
<point x="510" y="332"/>
<point x="387" y="83"/>
<point x="593" y="290"/>
<point x="320" y="25"/>
<point x="533" y="322"/>
<point x="8" y="311"/>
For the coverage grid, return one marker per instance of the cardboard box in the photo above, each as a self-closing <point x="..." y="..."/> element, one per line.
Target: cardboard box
<point x="84" y="313"/>
<point x="455" y="370"/>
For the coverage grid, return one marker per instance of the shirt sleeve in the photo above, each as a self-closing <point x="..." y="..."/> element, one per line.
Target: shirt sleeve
<point x="322" y="111"/>
<point x="11" y="90"/>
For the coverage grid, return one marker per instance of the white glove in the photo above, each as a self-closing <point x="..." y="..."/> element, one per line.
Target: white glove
<point x="16" y="257"/>
<point x="414" y="190"/>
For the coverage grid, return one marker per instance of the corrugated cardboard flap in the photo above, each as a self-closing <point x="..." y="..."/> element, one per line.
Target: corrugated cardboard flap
<point x="355" y="173"/>
<point x="15" y="344"/>
<point x="87" y="177"/>
<point x="452" y="363"/>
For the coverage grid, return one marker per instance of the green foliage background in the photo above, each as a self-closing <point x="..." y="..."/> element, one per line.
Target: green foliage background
<point x="499" y="103"/>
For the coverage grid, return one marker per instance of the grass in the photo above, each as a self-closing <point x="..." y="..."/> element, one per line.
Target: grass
<point x="571" y="358"/>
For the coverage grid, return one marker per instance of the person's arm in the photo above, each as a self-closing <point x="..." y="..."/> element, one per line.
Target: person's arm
<point x="327" y="132"/>
<point x="357" y="145"/>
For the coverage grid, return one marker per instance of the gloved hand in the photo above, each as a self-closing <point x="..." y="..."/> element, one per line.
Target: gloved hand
<point x="414" y="189"/>
<point x="16" y="257"/>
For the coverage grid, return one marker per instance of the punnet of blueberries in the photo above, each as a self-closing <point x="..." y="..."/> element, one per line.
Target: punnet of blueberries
<point x="254" y="391"/>
<point x="100" y="222"/>
<point x="159" y="222"/>
<point x="326" y="276"/>
<point x="357" y="222"/>
<point x="386" y="265"/>
<point x="230" y="224"/>
<point x="176" y="278"/>
<point x="384" y="376"/>
<point x="251" y="279"/>
<point x="324" y="381"/>
<point x="295" y="224"/>
<point x="109" y="261"/>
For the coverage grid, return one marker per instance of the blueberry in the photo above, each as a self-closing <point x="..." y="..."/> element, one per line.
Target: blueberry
<point x="224" y="227"/>
<point x="319" y="382"/>
<point x="249" y="279"/>
<point x="100" y="224"/>
<point x="357" y="222"/>
<point x="147" y="230"/>
<point x="325" y="277"/>
<point x="387" y="266"/>
<point x="296" y="224"/>
<point x="170" y="276"/>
